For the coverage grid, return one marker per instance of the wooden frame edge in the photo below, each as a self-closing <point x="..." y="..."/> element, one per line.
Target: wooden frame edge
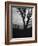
<point x="7" y="14"/>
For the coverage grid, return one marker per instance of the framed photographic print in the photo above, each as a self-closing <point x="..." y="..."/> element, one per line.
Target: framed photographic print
<point x="20" y="22"/>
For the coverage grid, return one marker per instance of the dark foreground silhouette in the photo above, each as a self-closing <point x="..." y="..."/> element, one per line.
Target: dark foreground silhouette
<point x="18" y="33"/>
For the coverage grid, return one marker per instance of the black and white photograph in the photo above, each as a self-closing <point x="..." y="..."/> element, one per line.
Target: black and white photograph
<point x="21" y="22"/>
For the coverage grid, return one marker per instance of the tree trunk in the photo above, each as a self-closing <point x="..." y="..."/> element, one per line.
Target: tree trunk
<point x="23" y="22"/>
<point x="27" y="22"/>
